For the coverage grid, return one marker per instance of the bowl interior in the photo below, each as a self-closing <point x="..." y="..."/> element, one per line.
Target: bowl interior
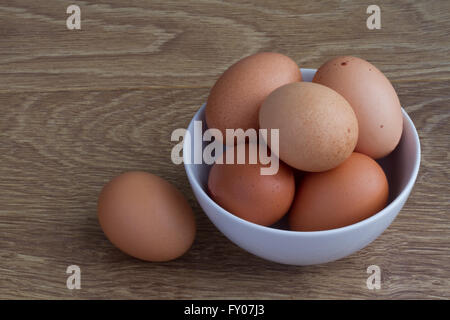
<point x="400" y="166"/>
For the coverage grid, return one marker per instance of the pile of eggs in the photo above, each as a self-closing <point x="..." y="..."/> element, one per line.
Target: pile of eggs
<point x="331" y="131"/>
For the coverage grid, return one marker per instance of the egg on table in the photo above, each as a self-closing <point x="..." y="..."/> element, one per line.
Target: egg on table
<point x="146" y="217"/>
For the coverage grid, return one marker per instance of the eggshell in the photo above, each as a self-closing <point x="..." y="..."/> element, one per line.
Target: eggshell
<point x="237" y="95"/>
<point x="242" y="190"/>
<point x="146" y="217"/>
<point x="352" y="192"/>
<point x="373" y="98"/>
<point x="318" y="129"/>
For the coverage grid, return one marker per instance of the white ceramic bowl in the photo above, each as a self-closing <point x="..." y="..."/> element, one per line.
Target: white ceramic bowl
<point x="305" y="248"/>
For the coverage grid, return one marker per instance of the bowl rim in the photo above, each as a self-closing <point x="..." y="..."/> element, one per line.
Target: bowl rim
<point x="403" y="194"/>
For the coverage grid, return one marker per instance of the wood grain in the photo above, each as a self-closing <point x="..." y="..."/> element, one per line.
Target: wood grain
<point x="79" y="107"/>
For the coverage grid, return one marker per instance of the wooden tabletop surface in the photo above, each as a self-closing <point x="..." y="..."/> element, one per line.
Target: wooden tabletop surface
<point x="78" y="107"/>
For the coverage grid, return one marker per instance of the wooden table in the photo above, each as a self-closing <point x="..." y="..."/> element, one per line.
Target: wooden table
<point x="78" y="107"/>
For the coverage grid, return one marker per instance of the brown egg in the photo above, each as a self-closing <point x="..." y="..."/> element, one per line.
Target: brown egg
<point x="146" y="217"/>
<point x="373" y="98"/>
<point x="352" y="192"/>
<point x="242" y="190"/>
<point x="237" y="95"/>
<point x="318" y="129"/>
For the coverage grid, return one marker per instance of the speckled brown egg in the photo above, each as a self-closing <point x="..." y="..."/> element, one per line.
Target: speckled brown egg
<point x="146" y="217"/>
<point x="372" y="97"/>
<point x="237" y="95"/>
<point x="317" y="127"/>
